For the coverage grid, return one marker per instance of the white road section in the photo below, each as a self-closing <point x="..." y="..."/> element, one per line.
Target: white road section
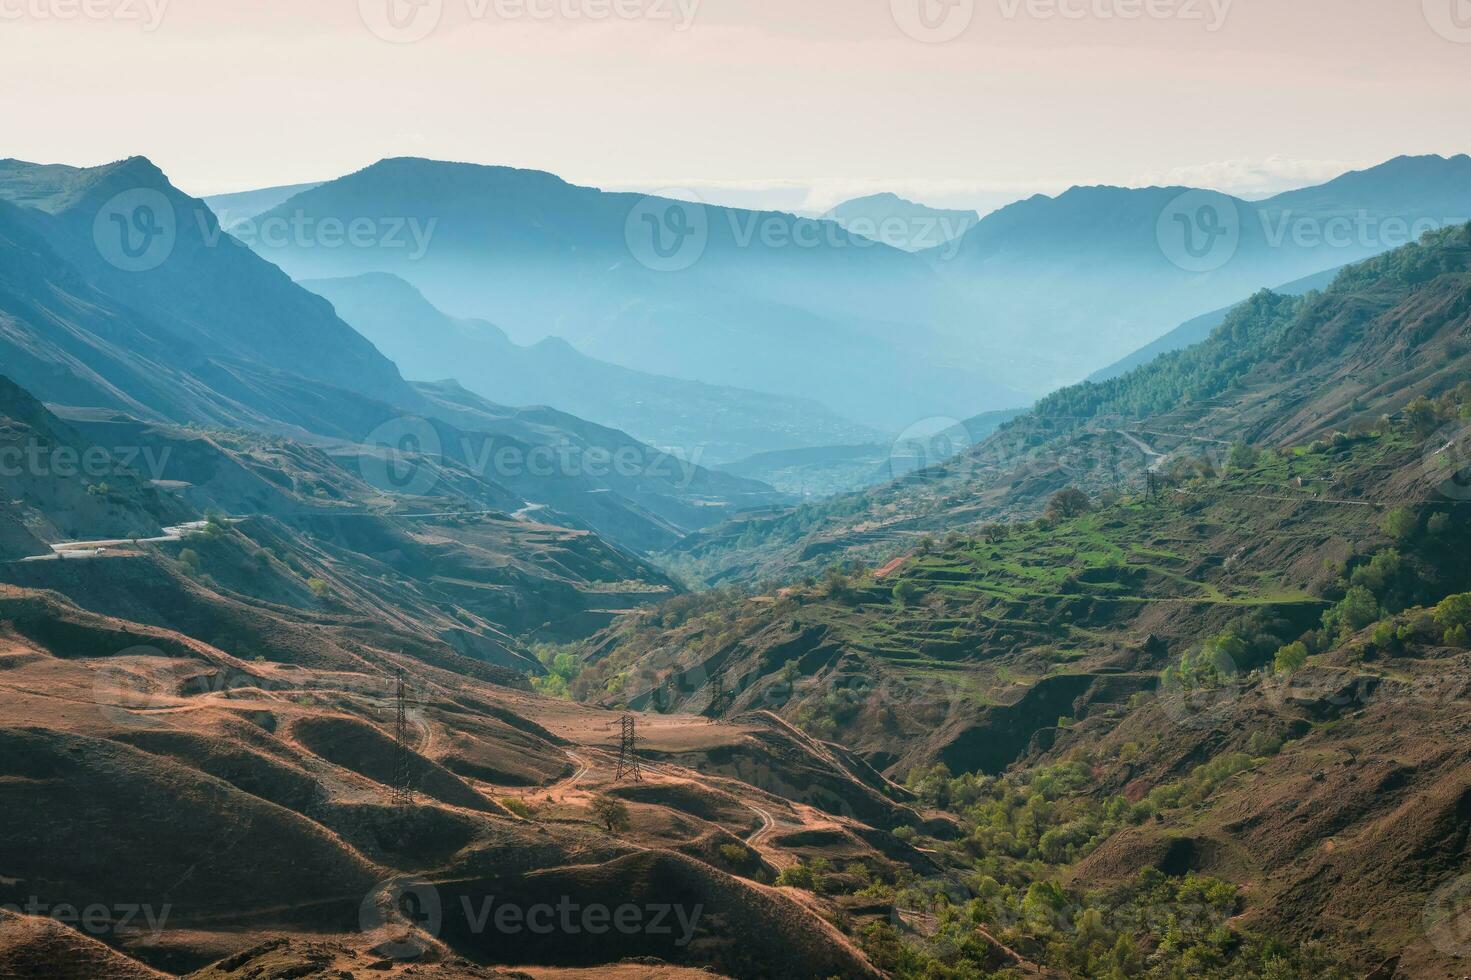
<point x="93" y="549"/>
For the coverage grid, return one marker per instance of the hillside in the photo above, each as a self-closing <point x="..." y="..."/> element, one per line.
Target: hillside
<point x="214" y="336"/>
<point x="1279" y="369"/>
<point x="1194" y="331"/>
<point x="254" y="829"/>
<point x="1178" y="723"/>
<point x="222" y="696"/>
<point x="711" y="424"/>
<point x="56" y="483"/>
<point x="206" y="290"/>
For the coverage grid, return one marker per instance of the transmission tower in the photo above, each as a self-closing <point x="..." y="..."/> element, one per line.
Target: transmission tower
<point x="403" y="790"/>
<point x="628" y="767"/>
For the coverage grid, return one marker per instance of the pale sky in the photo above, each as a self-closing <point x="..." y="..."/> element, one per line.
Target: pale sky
<point x="799" y="103"/>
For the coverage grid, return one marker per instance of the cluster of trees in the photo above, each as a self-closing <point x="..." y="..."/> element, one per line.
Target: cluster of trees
<point x="1437" y="254"/>
<point x="563" y="666"/>
<point x="1245" y="340"/>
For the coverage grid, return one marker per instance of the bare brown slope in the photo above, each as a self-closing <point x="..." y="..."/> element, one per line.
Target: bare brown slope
<point x="39" y="948"/>
<point x="253" y="800"/>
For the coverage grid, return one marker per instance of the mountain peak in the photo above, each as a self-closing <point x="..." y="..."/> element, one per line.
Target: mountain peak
<point x="401" y="168"/>
<point x="56" y="187"/>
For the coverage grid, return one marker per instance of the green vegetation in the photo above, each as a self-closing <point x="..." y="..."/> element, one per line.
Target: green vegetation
<point x="611" y="814"/>
<point x="734" y="854"/>
<point x="1022" y="833"/>
<point x="517" y="806"/>
<point x="563" y="668"/>
<point x="1248" y="336"/>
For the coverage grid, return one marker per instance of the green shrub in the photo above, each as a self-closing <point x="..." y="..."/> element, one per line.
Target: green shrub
<point x="1402" y="524"/>
<point x="734" y="853"/>
<point x="1291" y="658"/>
<point x="517" y="806"/>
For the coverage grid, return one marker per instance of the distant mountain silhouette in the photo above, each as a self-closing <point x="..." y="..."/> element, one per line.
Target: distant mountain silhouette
<point x="1060" y="283"/>
<point x="719" y="424"/>
<point x="763" y="301"/>
<point x="902" y="223"/>
<point x="244" y="205"/>
<point x="1036" y="295"/>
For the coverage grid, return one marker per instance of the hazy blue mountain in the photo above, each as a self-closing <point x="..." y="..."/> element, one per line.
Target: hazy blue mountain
<point x="1418" y="185"/>
<point x="244" y="205"/>
<point x="1059" y="283"/>
<point x="713" y="424"/>
<point x="216" y="336"/>
<point x="902" y="223"/>
<point x="825" y="470"/>
<point x="197" y="287"/>
<point x="146" y="343"/>
<point x="771" y="302"/>
<point x="1037" y="295"/>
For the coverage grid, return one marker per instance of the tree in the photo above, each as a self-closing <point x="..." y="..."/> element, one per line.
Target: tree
<point x="1069" y="503"/>
<point x="1358" y="609"/>
<point x="1291" y="658"/>
<point x="906" y="592"/>
<point x="1422" y="415"/>
<point x="1241" y="457"/>
<point x="611" y="813"/>
<point x="1454" y="610"/>
<point x="1402" y="524"/>
<point x="189" y="558"/>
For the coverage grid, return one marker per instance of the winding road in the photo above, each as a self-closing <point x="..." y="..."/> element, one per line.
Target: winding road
<point x="1157" y="459"/>
<point x="92" y="549"/>
<point x="768" y="824"/>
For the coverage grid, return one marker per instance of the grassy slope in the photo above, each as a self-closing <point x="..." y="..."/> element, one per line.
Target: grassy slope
<point x="1280" y="371"/>
<point x="1075" y="645"/>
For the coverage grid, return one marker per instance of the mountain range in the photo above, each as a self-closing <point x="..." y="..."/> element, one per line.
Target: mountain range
<point x="213" y="335"/>
<point x="1038" y="294"/>
<point x="703" y="422"/>
<point x="1165" y="675"/>
<point x="741" y="298"/>
<point x="1059" y="287"/>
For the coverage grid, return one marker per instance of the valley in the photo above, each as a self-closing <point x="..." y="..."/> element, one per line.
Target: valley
<point x="339" y="673"/>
